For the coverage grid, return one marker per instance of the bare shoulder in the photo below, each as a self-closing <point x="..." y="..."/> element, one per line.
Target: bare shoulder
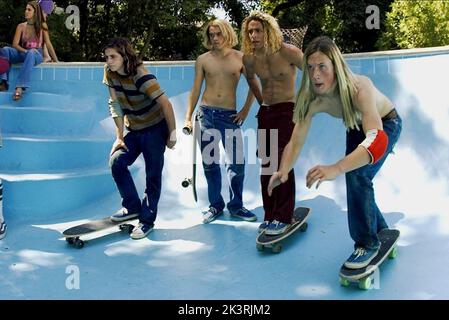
<point x="202" y="57"/>
<point x="363" y="82"/>
<point x="248" y="59"/>
<point x="291" y="54"/>
<point x="202" y="60"/>
<point x="289" y="50"/>
<point x="365" y="88"/>
<point x="237" y="54"/>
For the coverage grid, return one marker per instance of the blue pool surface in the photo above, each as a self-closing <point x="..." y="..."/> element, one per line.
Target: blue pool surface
<point x="54" y="166"/>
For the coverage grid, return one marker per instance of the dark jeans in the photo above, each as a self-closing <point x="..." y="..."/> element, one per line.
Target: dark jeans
<point x="150" y="142"/>
<point x="364" y="217"/>
<point x="281" y="204"/>
<point x="218" y="124"/>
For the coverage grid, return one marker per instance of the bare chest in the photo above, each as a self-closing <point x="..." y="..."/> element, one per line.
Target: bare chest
<point x="29" y="33"/>
<point x="330" y="106"/>
<point x="273" y="68"/>
<point x="216" y="68"/>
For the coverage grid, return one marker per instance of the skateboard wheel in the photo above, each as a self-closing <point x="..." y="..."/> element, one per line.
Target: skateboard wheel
<point x="130" y="228"/>
<point x="187" y="130"/>
<point x="259" y="247"/>
<point x="365" y="283"/>
<point x="277" y="248"/>
<point x="185" y="183"/>
<point x="344" y="282"/>
<point x="79" y="243"/>
<point x="393" y="253"/>
<point x="303" y="228"/>
<point x="70" y="240"/>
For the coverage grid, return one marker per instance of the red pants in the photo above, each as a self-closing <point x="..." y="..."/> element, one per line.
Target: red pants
<point x="279" y="116"/>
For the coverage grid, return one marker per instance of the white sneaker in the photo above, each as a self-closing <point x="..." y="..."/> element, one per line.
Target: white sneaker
<point x="124" y="215"/>
<point x="141" y="231"/>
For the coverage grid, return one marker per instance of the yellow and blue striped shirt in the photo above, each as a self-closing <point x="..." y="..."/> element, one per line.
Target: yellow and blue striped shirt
<point x="137" y="96"/>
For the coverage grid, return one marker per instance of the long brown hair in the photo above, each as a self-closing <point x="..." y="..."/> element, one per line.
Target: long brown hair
<point x="39" y="19"/>
<point x="130" y="59"/>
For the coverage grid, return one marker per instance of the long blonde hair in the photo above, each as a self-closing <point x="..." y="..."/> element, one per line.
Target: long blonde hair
<point x="272" y="33"/>
<point x="226" y="29"/>
<point x="346" y="83"/>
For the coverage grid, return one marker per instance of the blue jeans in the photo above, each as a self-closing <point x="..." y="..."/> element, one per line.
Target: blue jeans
<point x="150" y="142"/>
<point x="31" y="58"/>
<point x="364" y="217"/>
<point x="218" y="124"/>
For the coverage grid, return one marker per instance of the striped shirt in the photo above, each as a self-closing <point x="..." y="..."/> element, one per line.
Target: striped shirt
<point x="137" y="96"/>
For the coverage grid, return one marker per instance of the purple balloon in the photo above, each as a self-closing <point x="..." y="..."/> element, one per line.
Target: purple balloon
<point x="46" y="5"/>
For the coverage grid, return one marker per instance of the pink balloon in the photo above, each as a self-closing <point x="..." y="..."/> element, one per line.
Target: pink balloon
<point x="4" y="65"/>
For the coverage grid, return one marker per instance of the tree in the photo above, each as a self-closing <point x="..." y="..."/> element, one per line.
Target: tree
<point x="416" y="24"/>
<point x="342" y="20"/>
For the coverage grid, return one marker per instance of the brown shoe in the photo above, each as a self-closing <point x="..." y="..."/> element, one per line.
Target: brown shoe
<point x="3" y="85"/>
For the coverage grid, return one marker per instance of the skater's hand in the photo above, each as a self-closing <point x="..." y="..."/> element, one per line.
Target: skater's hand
<point x="321" y="173"/>
<point x="171" y="141"/>
<point x="118" y="144"/>
<point x="240" y="116"/>
<point x="276" y="179"/>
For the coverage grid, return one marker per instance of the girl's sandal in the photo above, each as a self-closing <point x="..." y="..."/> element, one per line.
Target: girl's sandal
<point x="17" y="95"/>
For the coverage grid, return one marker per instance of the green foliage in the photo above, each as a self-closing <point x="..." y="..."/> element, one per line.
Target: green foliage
<point x="64" y="41"/>
<point x="416" y="24"/>
<point x="170" y="30"/>
<point x="342" y="20"/>
<point x="10" y="11"/>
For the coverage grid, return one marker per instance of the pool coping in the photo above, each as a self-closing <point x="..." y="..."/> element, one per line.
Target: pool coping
<point x="361" y="55"/>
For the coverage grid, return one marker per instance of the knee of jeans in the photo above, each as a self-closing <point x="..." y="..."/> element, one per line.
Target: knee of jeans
<point x="237" y="169"/>
<point x="31" y="52"/>
<point x="115" y="163"/>
<point x="357" y="177"/>
<point x="210" y="166"/>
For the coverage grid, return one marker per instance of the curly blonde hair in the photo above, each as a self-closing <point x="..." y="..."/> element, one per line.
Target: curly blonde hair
<point x="346" y="83"/>
<point x="272" y="33"/>
<point x="226" y="29"/>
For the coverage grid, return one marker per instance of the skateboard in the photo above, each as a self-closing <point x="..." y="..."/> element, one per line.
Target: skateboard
<point x="195" y="133"/>
<point x="364" y="276"/>
<point x="72" y="235"/>
<point x="300" y="216"/>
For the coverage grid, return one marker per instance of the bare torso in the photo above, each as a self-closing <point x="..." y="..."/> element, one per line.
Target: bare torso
<point x="277" y="73"/>
<point x="222" y="74"/>
<point x="333" y="106"/>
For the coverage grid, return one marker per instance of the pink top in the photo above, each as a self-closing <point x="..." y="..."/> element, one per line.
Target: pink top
<point x="31" y="43"/>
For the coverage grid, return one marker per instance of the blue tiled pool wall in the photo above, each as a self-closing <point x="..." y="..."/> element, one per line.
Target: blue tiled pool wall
<point x="51" y="78"/>
<point x="79" y="87"/>
<point x="83" y="83"/>
<point x="86" y="81"/>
